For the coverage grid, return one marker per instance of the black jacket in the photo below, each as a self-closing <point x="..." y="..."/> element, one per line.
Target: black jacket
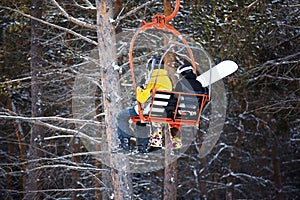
<point x="186" y="84"/>
<point x="189" y="84"/>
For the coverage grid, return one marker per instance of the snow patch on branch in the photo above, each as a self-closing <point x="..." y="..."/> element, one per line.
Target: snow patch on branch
<point x="116" y="66"/>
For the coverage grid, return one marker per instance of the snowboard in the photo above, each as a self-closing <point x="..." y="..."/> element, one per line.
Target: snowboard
<point x="217" y="72"/>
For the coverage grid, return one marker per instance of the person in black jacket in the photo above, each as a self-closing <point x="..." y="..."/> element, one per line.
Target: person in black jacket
<point x="187" y="83"/>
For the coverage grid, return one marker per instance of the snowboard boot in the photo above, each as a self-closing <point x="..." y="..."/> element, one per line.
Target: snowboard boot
<point x="176" y="143"/>
<point x="125" y="144"/>
<point x="175" y="138"/>
<point x="142" y="149"/>
<point x="142" y="145"/>
<point x="156" y="139"/>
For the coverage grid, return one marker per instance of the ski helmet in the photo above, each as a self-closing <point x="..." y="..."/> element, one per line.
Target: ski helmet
<point x="154" y="63"/>
<point x="184" y="69"/>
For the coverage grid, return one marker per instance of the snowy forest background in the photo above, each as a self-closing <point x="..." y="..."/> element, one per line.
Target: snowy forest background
<point x="257" y="155"/>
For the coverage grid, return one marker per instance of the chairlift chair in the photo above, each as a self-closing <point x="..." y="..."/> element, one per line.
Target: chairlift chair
<point x="183" y="111"/>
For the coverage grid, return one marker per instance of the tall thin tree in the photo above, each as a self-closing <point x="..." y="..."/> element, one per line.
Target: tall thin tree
<point x="33" y="181"/>
<point x="110" y="83"/>
<point x="170" y="173"/>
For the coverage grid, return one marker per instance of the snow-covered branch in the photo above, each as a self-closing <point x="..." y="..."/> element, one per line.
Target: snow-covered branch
<point x="249" y="7"/>
<point x="225" y="146"/>
<point x="54" y="25"/>
<point x="67" y="130"/>
<point x="59" y="190"/>
<point x="89" y="6"/>
<point x="275" y="107"/>
<point x="280" y="78"/>
<point x="119" y="18"/>
<point x="72" y="19"/>
<point x="67" y="167"/>
<point x="273" y="69"/>
<point x="53" y="119"/>
<point x="16" y="80"/>
<point x="243" y="176"/>
<point x="64" y="159"/>
<point x="39" y="121"/>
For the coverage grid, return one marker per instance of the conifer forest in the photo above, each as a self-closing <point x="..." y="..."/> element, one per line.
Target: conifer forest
<point x="65" y="74"/>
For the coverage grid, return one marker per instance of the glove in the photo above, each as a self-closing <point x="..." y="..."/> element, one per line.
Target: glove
<point x="133" y="97"/>
<point x="139" y="89"/>
<point x="142" y="95"/>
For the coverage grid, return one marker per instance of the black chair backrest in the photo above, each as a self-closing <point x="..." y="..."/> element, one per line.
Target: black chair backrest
<point x="159" y="104"/>
<point x="164" y="105"/>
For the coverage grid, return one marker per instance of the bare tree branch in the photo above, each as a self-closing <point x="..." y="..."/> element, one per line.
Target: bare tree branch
<point x="248" y="8"/>
<point x="72" y="19"/>
<point x="16" y="80"/>
<point x="276" y="107"/>
<point x="57" y="119"/>
<point x="265" y="70"/>
<point x="135" y="10"/>
<point x="53" y="25"/>
<point x="244" y="177"/>
<point x="38" y="120"/>
<point x="63" y="159"/>
<point x="89" y="6"/>
<point x="58" y="190"/>
<point x="280" y="78"/>
<point x="67" y="166"/>
<point x="252" y="4"/>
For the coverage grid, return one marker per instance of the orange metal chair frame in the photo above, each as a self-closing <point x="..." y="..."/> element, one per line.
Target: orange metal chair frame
<point x="160" y="22"/>
<point x="172" y="121"/>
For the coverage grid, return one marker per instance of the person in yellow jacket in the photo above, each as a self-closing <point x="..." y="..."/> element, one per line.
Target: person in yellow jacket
<point x="159" y="80"/>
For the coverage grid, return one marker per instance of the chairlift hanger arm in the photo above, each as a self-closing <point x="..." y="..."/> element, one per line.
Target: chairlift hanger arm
<point x="175" y="11"/>
<point x="162" y="19"/>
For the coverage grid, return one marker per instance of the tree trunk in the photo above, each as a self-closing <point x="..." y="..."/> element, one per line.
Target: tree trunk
<point x="276" y="168"/>
<point x="22" y="148"/>
<point x="170" y="175"/>
<point x="9" y="178"/>
<point x="122" y="185"/>
<point x="75" y="148"/>
<point x="202" y="167"/>
<point x="33" y="175"/>
<point x="169" y="60"/>
<point x="233" y="165"/>
<point x="103" y="175"/>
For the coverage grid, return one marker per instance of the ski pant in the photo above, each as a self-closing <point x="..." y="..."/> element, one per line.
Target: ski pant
<point x="123" y="130"/>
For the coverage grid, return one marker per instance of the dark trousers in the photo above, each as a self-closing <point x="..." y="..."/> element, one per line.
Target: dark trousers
<point x="123" y="130"/>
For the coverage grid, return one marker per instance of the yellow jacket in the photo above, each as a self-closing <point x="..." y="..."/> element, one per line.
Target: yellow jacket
<point x="163" y="82"/>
